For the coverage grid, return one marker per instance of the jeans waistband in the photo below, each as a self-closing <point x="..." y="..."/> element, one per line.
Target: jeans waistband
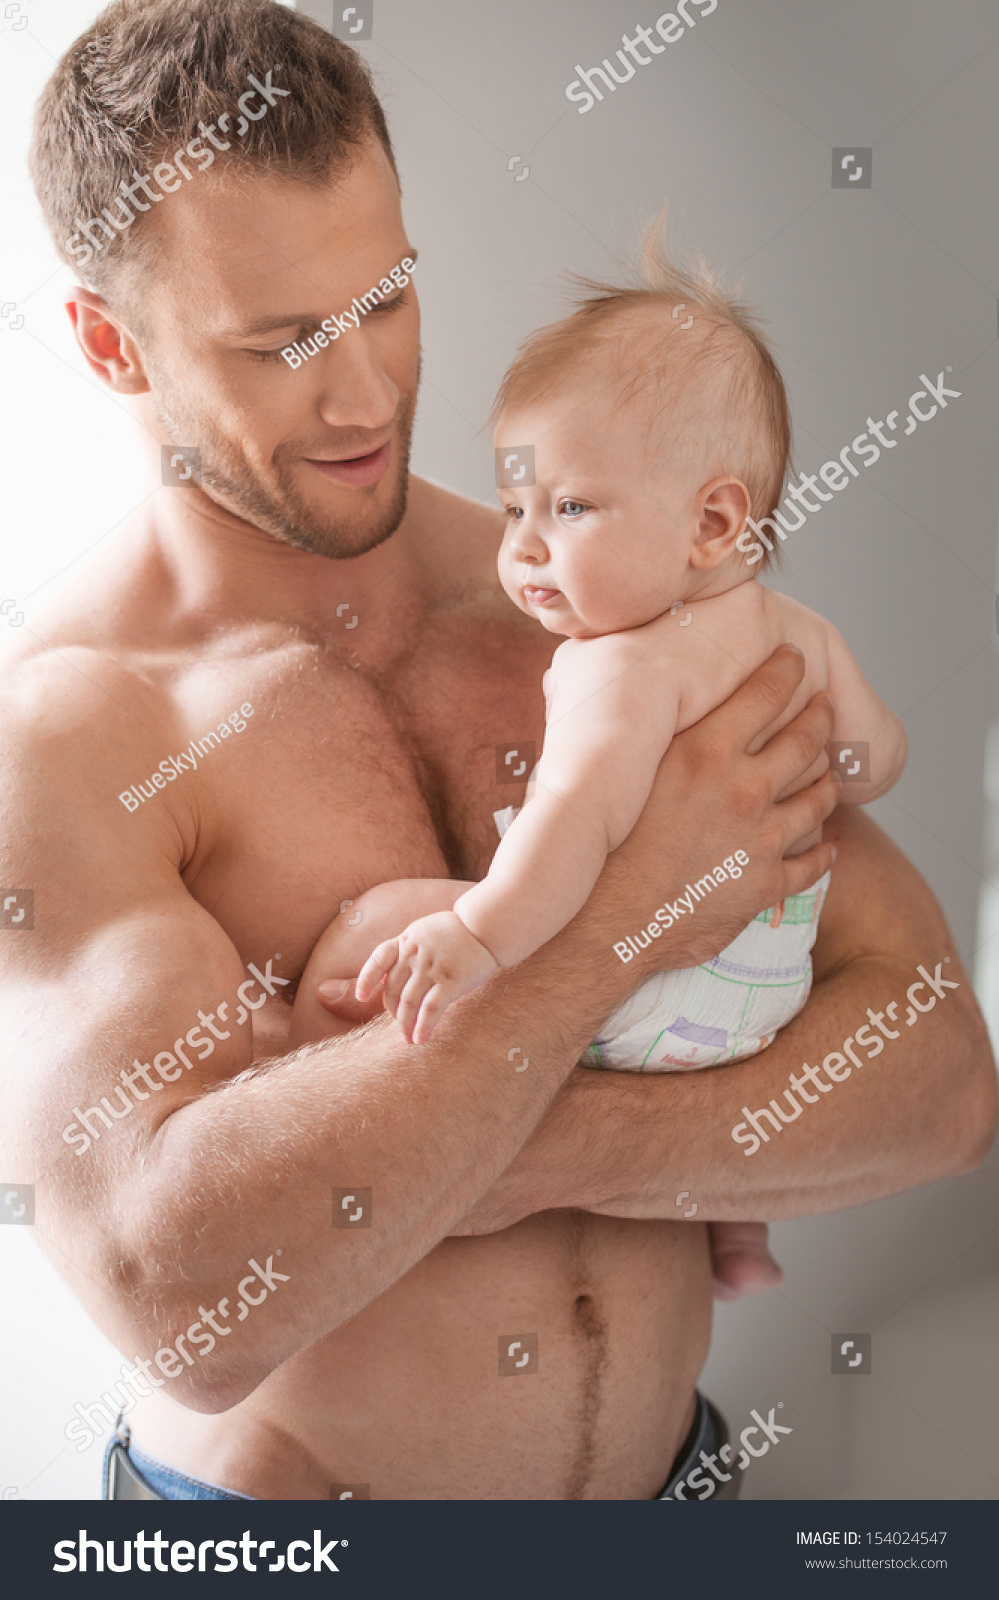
<point x="131" y="1475"/>
<point x="707" y="1440"/>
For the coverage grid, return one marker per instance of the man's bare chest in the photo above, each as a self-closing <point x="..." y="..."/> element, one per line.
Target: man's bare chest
<point x="351" y="776"/>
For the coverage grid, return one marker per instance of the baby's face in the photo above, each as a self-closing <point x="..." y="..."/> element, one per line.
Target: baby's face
<point x="599" y="542"/>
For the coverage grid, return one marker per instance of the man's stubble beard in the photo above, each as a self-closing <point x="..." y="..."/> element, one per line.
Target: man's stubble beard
<point x="228" y="478"/>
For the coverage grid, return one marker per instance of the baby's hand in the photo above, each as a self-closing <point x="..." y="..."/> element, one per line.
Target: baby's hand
<point x="430" y="965"/>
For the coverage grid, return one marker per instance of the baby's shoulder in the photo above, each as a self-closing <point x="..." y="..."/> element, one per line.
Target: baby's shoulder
<point x="581" y="666"/>
<point x="600" y="654"/>
<point x="794" y="622"/>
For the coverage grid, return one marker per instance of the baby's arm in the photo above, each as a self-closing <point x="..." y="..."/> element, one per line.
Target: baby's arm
<point x="862" y="718"/>
<point x="611" y="716"/>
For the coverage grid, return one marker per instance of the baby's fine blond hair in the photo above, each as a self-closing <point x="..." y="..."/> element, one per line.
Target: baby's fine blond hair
<point x="678" y="338"/>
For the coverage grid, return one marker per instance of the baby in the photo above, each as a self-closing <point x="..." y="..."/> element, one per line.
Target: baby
<point x="653" y="442"/>
<point x="644" y="435"/>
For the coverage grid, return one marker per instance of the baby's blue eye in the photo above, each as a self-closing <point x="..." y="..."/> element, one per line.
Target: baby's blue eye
<point x="515" y="511"/>
<point x="571" y="508"/>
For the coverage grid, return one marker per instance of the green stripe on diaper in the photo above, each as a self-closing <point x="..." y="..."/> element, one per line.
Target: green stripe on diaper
<point x="798" y="908"/>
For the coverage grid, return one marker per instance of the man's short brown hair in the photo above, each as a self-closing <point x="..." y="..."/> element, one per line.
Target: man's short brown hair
<point x="134" y="87"/>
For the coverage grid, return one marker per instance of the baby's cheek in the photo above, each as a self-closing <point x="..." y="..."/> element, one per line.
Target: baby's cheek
<point x="508" y="581"/>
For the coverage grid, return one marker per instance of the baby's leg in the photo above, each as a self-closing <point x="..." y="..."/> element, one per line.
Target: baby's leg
<point x="344" y="947"/>
<point x="741" y="1263"/>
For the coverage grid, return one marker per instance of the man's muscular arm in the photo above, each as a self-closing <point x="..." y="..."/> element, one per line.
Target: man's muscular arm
<point x="208" y="1165"/>
<point x="921" y="1109"/>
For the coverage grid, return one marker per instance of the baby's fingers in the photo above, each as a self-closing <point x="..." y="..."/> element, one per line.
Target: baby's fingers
<point x="377" y="967"/>
<point x="407" y="1010"/>
<point x="434" y="1004"/>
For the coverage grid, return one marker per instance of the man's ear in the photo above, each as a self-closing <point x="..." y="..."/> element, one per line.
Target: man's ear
<point x="107" y="345"/>
<point x="722" y="508"/>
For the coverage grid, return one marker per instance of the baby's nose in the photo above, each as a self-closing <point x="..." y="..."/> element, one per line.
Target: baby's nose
<point x="527" y="544"/>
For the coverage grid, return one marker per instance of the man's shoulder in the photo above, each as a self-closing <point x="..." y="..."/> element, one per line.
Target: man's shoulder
<point x="65" y="707"/>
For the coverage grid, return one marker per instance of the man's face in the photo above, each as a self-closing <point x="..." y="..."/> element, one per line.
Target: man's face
<point x="317" y="456"/>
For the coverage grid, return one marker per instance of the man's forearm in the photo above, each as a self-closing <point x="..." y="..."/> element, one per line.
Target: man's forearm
<point x="920" y="1108"/>
<point x="923" y="1108"/>
<point x="251" y="1166"/>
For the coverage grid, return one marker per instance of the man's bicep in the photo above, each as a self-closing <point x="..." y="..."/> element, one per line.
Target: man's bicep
<point x="120" y="1004"/>
<point x="878" y="904"/>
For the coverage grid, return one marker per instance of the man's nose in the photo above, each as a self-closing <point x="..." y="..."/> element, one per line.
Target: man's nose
<point x="360" y="393"/>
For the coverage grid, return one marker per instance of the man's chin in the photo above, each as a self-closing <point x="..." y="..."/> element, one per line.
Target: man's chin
<point x="337" y="544"/>
<point x="313" y="527"/>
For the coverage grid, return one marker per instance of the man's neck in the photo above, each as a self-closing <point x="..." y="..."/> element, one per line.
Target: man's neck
<point x="223" y="567"/>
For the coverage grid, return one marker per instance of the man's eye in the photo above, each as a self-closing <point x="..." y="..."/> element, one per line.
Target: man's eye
<point x="572" y="508"/>
<point x="267" y="355"/>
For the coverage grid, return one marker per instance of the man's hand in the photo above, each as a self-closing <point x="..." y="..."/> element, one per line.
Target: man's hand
<point x="712" y="796"/>
<point x="424" y="970"/>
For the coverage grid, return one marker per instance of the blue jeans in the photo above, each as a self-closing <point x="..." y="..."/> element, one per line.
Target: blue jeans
<point x="165" y="1482"/>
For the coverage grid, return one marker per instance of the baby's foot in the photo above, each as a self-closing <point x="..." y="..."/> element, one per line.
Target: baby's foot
<point x="741" y="1263"/>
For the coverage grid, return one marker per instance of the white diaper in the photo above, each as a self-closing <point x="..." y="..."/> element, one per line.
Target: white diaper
<point x="727" y="1009"/>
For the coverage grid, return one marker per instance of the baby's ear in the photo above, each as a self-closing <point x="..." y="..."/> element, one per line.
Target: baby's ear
<point x="722" y="508"/>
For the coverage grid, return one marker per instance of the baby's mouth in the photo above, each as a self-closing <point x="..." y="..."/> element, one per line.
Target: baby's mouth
<point x="539" y="597"/>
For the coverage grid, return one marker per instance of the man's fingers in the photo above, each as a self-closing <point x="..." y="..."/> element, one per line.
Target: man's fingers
<point x="800" y="872"/>
<point x="379" y="963"/>
<point x="805" y="812"/>
<point x="791" y="752"/>
<point x="766" y="694"/>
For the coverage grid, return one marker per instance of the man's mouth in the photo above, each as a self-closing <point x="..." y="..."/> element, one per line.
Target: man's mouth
<point x="540" y="597"/>
<point x="358" y="471"/>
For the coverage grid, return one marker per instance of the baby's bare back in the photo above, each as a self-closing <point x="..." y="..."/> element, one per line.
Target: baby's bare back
<point x="714" y="645"/>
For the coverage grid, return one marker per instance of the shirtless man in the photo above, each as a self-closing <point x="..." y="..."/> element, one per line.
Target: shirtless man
<point x="504" y="1202"/>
